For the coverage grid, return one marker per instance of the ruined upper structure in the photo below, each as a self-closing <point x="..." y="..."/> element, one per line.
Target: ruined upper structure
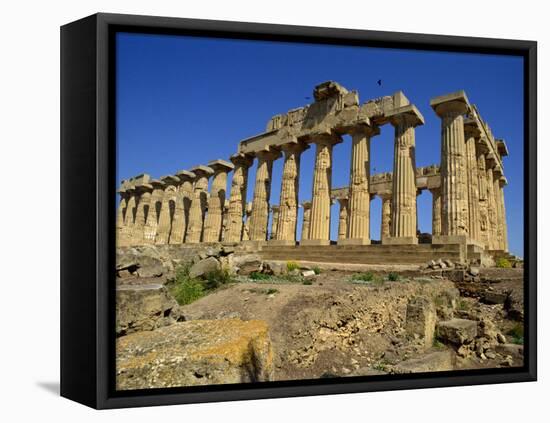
<point x="467" y="186"/>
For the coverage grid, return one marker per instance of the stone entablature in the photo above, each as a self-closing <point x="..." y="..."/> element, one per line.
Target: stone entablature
<point x="467" y="186"/>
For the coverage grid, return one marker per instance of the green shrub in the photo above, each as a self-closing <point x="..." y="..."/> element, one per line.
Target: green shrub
<point x="462" y="305"/>
<point x="503" y="263"/>
<point x="438" y="344"/>
<point x="317" y="270"/>
<point x="291" y="266"/>
<point x="392" y="276"/>
<point x="307" y="282"/>
<point x="257" y="276"/>
<point x="363" y="277"/>
<point x="516" y="332"/>
<point x="188" y="290"/>
<point x="216" y="278"/>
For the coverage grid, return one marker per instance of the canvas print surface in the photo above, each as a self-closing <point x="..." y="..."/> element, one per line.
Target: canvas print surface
<point x="293" y="211"/>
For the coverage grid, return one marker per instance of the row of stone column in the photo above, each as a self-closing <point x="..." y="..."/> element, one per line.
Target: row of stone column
<point x="469" y="205"/>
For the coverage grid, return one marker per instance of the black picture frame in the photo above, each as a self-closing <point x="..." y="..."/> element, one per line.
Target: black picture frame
<point x="88" y="185"/>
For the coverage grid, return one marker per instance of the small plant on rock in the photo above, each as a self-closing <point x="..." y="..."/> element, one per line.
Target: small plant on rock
<point x="503" y="263"/>
<point x="307" y="282"/>
<point x="363" y="277"/>
<point x="291" y="266"/>
<point x="317" y="270"/>
<point x="516" y="332"/>
<point x="216" y="278"/>
<point x="257" y="276"/>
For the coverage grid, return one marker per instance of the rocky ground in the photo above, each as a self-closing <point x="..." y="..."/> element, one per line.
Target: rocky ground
<point x="321" y="325"/>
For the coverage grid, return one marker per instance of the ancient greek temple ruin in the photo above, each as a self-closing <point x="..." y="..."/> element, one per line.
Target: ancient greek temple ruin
<point x="467" y="187"/>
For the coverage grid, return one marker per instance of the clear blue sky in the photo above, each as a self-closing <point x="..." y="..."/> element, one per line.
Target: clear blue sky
<point x="183" y="101"/>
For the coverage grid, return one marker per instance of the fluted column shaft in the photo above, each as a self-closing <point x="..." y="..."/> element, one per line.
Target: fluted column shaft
<point x="436" y="211"/>
<point x="403" y="223"/>
<point x="319" y="225"/>
<point x="385" y="222"/>
<point x="473" y="187"/>
<point x="121" y="212"/>
<point x="491" y="210"/>
<point x="343" y="219"/>
<point x="454" y="207"/>
<point x="198" y="207"/>
<point x="246" y="224"/>
<point x="167" y="210"/>
<point x="181" y="212"/>
<point x="504" y="241"/>
<point x="358" y="231"/>
<point x="155" y="204"/>
<point x="288" y="204"/>
<point x="141" y="216"/>
<point x="129" y="219"/>
<point x="259" y="217"/>
<point x="484" y="226"/>
<point x="237" y="199"/>
<point x="499" y="244"/>
<point x="306" y="220"/>
<point x="216" y="202"/>
<point x="274" y="221"/>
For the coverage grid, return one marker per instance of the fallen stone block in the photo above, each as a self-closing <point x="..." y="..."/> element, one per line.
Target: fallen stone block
<point x="144" y="308"/>
<point x="247" y="263"/>
<point x="433" y="362"/>
<point x="457" y="331"/>
<point x="492" y="297"/>
<point x="203" y="267"/>
<point x="308" y="274"/>
<point x="198" y="352"/>
<point x="515" y="350"/>
<point x="420" y="319"/>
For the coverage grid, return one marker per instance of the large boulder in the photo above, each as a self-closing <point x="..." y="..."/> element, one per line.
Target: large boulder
<point x="203" y="267"/>
<point x="143" y="262"/>
<point x="247" y="263"/>
<point x="144" y="308"/>
<point x="198" y="352"/>
<point x="457" y="331"/>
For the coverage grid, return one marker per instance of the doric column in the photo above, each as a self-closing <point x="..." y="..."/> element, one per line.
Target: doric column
<point x="198" y="204"/>
<point x="499" y="239"/>
<point x="224" y="219"/>
<point x="385" y="222"/>
<point x="436" y="211"/>
<point x="288" y="205"/>
<point x="183" y="203"/>
<point x="130" y="216"/>
<point x="237" y="199"/>
<point x="167" y="209"/>
<point x="144" y="205"/>
<point x="246" y="224"/>
<point x="484" y="227"/>
<point x="454" y="175"/>
<point x="502" y="182"/>
<point x="155" y="205"/>
<point x="491" y="204"/>
<point x="306" y="219"/>
<point x="262" y="190"/>
<point x="319" y="225"/>
<point x="121" y="213"/>
<point x="343" y="219"/>
<point x="472" y="134"/>
<point x="359" y="195"/>
<point x="403" y="221"/>
<point x="213" y="221"/>
<point x="274" y="221"/>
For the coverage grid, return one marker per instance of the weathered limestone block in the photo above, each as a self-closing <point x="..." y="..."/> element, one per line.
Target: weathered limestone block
<point x="183" y="204"/>
<point x="306" y="220"/>
<point x="144" y="308"/>
<point x="421" y="319"/>
<point x="343" y="219"/>
<point x="358" y="227"/>
<point x="319" y="225"/>
<point x="457" y="331"/>
<point x="454" y="176"/>
<point x="213" y="221"/>
<point x="288" y="205"/>
<point x="198" y="352"/>
<point x="198" y="205"/>
<point x="237" y="199"/>
<point x="155" y="205"/>
<point x="167" y="209"/>
<point x="259" y="217"/>
<point x="209" y="264"/>
<point x="404" y="222"/>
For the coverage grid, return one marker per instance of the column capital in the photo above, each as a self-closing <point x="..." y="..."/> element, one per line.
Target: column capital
<point x="491" y="160"/>
<point x="501" y="147"/>
<point x="242" y="159"/>
<point x="454" y="103"/>
<point x="294" y="146"/>
<point x="269" y="153"/>
<point x="364" y="129"/>
<point x="409" y="115"/>
<point x="143" y="188"/>
<point x="185" y="175"/>
<point x="202" y="171"/>
<point x="472" y="128"/>
<point x="170" y="180"/>
<point x="503" y="181"/>
<point x="326" y="139"/>
<point x="157" y="183"/>
<point x="221" y="166"/>
<point x="306" y="205"/>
